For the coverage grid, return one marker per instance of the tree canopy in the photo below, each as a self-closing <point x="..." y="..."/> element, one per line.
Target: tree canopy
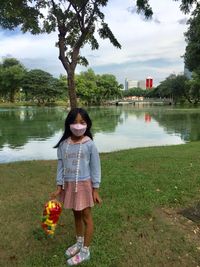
<point x="11" y="75"/>
<point x="41" y="86"/>
<point x="192" y="53"/>
<point x="185" y="6"/>
<point x="96" y="89"/>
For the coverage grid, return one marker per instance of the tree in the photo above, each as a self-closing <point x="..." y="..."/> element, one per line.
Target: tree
<point x="108" y="88"/>
<point x="180" y="87"/>
<point x="193" y="88"/>
<point x="174" y="86"/>
<point x="75" y="20"/>
<point x="192" y="53"/>
<point x="11" y="75"/>
<point x="40" y="86"/>
<point x="95" y="89"/>
<point x="135" y="92"/>
<point x="86" y="86"/>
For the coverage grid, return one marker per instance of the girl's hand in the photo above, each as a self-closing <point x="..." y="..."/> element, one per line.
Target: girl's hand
<point x="56" y="193"/>
<point x="96" y="196"/>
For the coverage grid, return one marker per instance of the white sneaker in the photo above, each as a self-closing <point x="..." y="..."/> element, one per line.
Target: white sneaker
<point x="80" y="257"/>
<point x="74" y="249"/>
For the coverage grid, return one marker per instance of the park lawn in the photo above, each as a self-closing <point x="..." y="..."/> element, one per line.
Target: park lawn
<point x="24" y="103"/>
<point x="137" y="225"/>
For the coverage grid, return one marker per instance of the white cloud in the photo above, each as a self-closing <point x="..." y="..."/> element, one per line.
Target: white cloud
<point x="160" y="39"/>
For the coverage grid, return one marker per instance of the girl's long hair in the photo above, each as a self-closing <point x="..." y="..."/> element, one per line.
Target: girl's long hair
<point x="71" y="118"/>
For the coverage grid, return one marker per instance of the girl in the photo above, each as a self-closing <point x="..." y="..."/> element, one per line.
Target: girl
<point x="78" y="180"/>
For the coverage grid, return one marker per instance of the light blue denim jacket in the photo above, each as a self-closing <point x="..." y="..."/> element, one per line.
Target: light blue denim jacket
<point x="89" y="162"/>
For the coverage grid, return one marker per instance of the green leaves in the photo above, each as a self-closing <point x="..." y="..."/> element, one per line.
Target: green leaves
<point x="179" y="88"/>
<point x="40" y="86"/>
<point x="11" y="75"/>
<point x="83" y="61"/>
<point x="95" y="89"/>
<point x="144" y="8"/>
<point x="187" y="5"/>
<point x="192" y="53"/>
<point x="106" y="33"/>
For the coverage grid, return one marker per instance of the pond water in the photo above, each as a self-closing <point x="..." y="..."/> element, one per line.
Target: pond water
<point x="28" y="133"/>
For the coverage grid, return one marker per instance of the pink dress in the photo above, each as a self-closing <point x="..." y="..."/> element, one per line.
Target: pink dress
<point x="83" y="198"/>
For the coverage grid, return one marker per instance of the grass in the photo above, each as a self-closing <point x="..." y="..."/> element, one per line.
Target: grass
<point x="26" y="103"/>
<point x="130" y="229"/>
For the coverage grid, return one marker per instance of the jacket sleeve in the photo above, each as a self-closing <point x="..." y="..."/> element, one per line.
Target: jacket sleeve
<point x="95" y="167"/>
<point x="60" y="168"/>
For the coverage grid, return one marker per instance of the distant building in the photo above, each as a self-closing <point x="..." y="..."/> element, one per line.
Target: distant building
<point x="142" y="84"/>
<point x="131" y="84"/>
<point x="149" y="83"/>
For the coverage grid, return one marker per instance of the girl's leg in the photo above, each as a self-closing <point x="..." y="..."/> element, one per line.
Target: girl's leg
<point x="78" y="222"/>
<point x="74" y="249"/>
<point x="89" y="227"/>
<point x="84" y="253"/>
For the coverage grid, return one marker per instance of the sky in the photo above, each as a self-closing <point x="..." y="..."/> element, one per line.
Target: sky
<point x="149" y="48"/>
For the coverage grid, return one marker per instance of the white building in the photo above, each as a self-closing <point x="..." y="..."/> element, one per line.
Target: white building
<point x="142" y="84"/>
<point x="131" y="84"/>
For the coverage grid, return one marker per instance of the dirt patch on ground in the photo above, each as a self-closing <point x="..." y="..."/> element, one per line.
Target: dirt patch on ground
<point x="175" y="217"/>
<point x="166" y="238"/>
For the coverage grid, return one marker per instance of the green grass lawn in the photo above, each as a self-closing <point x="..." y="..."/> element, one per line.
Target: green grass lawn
<point x="26" y="103"/>
<point x="130" y="228"/>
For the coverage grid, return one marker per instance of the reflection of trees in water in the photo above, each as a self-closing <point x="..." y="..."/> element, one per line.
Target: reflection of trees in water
<point x="128" y="111"/>
<point x="17" y="126"/>
<point x="105" y="119"/>
<point x="183" y="123"/>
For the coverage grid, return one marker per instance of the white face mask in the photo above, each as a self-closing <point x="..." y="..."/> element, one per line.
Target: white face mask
<point x="78" y="129"/>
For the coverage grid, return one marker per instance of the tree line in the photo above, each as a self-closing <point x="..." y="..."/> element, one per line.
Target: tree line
<point x="180" y="88"/>
<point x="38" y="86"/>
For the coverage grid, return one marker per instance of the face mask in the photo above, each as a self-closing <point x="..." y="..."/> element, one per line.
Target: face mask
<point x="78" y="129"/>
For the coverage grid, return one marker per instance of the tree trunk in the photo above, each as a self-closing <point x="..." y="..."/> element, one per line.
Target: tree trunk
<point x="72" y="91"/>
<point x="187" y="96"/>
<point x="12" y="96"/>
<point x="69" y="67"/>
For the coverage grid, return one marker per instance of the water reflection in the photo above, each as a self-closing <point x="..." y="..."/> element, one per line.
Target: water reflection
<point x="135" y="132"/>
<point x="147" y="117"/>
<point x="20" y="125"/>
<point x="183" y="122"/>
<point x="30" y="132"/>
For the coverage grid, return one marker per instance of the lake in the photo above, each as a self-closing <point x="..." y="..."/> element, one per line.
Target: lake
<point x="28" y="133"/>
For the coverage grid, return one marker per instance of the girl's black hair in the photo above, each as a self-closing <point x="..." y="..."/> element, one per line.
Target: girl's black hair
<point x="71" y="118"/>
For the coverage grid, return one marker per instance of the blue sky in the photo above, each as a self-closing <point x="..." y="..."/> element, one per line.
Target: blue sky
<point x="149" y="48"/>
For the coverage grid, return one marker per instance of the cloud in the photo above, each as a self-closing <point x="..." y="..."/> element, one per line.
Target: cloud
<point x="132" y="9"/>
<point x="140" y="69"/>
<point x="182" y="21"/>
<point x="157" y="21"/>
